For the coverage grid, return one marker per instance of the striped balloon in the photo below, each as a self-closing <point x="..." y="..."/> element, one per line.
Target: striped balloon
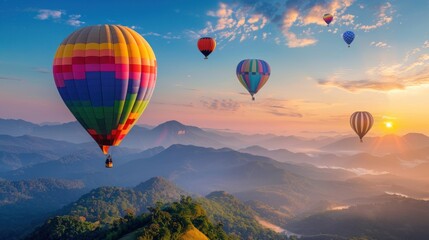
<point x="328" y="18"/>
<point x="206" y="45"/>
<point x="361" y="122"/>
<point x="253" y="74"/>
<point x="106" y="75"/>
<point x="348" y="37"/>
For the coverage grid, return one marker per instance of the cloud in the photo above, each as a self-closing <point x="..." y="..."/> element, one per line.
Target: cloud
<point x="389" y="118"/>
<point x="174" y="104"/>
<point x="347" y="19"/>
<point x="357" y="171"/>
<point x="410" y="73"/>
<point x="45" y="14"/>
<point x="426" y="44"/>
<point x="135" y="27"/>
<point x="10" y="78"/>
<point x="354" y="86"/>
<point x="56" y="15"/>
<point x="42" y="70"/>
<point x="221" y="104"/>
<point x="242" y="23"/>
<point x="243" y="20"/>
<point x="74" y="21"/>
<point x="319" y="8"/>
<point x="168" y="36"/>
<point x="232" y="23"/>
<point x="384" y="17"/>
<point x="380" y="44"/>
<point x="292" y="40"/>
<point x="282" y="110"/>
<point x="286" y="114"/>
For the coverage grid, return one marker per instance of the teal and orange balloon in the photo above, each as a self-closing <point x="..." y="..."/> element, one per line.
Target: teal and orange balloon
<point x="253" y="74"/>
<point x="105" y="75"/>
<point x="328" y="18"/>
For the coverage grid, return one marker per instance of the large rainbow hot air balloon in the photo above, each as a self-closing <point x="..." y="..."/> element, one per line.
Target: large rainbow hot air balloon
<point x="105" y="75"/>
<point x="206" y="45"/>
<point x="253" y="74"/>
<point x="328" y="18"/>
<point x="361" y="122"/>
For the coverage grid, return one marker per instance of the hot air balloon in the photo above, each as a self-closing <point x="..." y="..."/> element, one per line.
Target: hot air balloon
<point x="328" y="18"/>
<point x="361" y="122"/>
<point x="105" y="75"/>
<point x="348" y="37"/>
<point x="253" y="74"/>
<point x="206" y="45"/>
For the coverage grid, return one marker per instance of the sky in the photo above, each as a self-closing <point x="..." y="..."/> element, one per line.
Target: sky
<point x="316" y="81"/>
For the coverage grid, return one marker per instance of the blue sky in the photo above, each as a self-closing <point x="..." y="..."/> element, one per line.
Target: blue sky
<point x="315" y="77"/>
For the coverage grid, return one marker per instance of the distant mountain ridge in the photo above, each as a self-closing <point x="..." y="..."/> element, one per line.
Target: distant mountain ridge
<point x="165" y="134"/>
<point x="380" y="145"/>
<point x="394" y="218"/>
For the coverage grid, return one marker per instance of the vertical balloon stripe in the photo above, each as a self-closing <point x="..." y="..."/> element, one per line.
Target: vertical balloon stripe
<point x="74" y="83"/>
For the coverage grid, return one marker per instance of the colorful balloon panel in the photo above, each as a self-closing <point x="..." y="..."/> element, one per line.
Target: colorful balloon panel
<point x="206" y="45"/>
<point x="328" y="18"/>
<point x="105" y="75"/>
<point x="253" y="74"/>
<point x="348" y="37"/>
<point x="361" y="122"/>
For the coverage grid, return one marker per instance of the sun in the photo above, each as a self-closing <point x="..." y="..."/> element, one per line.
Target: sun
<point x="388" y="124"/>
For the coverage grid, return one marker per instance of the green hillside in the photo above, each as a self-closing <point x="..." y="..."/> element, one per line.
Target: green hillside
<point x="185" y="219"/>
<point x="110" y="212"/>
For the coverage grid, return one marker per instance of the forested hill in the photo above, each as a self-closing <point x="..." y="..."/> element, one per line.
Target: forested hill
<point x="178" y="220"/>
<point x="113" y="212"/>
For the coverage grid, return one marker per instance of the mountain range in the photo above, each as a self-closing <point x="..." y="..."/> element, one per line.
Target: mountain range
<point x="260" y="175"/>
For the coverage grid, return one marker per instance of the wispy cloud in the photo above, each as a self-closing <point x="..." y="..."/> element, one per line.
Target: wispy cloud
<point x="347" y="20"/>
<point x="244" y="20"/>
<point x="301" y="13"/>
<point x="221" y="104"/>
<point x="384" y="16"/>
<point x="10" y="78"/>
<point x="380" y="44"/>
<point x="42" y="70"/>
<point x="357" y="171"/>
<point x="168" y="36"/>
<point x="45" y="14"/>
<point x="293" y="41"/>
<point x="232" y="22"/>
<point x="413" y="71"/>
<point x="354" y="86"/>
<point x="282" y="108"/>
<point x="57" y="15"/>
<point x="74" y="20"/>
<point x="286" y="114"/>
<point x="426" y="44"/>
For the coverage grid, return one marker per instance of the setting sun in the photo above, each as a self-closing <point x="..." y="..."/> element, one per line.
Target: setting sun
<point x="388" y="124"/>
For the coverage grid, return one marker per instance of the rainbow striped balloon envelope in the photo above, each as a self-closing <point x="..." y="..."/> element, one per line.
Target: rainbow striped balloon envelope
<point x="253" y="74"/>
<point x="106" y="75"/>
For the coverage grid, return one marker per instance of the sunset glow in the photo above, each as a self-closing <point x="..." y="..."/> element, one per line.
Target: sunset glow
<point x="388" y="124"/>
<point x="379" y="73"/>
